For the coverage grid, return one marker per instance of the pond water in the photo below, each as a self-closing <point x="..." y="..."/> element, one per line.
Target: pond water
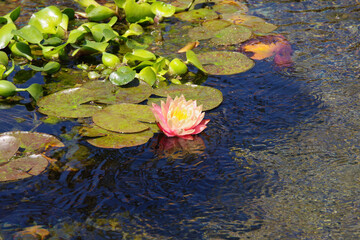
<point x="279" y="159"/>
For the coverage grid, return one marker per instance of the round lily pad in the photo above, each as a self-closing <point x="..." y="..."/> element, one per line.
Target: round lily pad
<point x="216" y="24"/>
<point x="207" y="96"/>
<point x="231" y="35"/>
<point x="24" y="167"/>
<point x="258" y="25"/>
<point x="230" y="6"/>
<point x="69" y="103"/>
<point x="108" y="93"/>
<point x="8" y="147"/>
<point x="29" y="162"/>
<point x="197" y="15"/>
<point x="34" y="141"/>
<point x="107" y="139"/>
<point x="225" y="63"/>
<point x="200" y="33"/>
<point x="124" y="118"/>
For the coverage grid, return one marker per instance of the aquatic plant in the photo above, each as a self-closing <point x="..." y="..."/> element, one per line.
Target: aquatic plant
<point x="180" y="118"/>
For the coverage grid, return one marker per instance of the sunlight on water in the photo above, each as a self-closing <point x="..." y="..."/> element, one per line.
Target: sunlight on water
<point x="279" y="159"/>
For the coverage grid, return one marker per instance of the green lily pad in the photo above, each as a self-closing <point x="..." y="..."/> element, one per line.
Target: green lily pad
<point x="69" y="103"/>
<point x="216" y="24"/>
<point x="230" y="7"/>
<point x="225" y="63"/>
<point x="256" y="24"/>
<point x="24" y="167"/>
<point x="8" y="147"/>
<point x="197" y="15"/>
<point x="124" y="118"/>
<point x="200" y="33"/>
<point x="108" y="93"/>
<point x="231" y="35"/>
<point x="107" y="139"/>
<point x="207" y="96"/>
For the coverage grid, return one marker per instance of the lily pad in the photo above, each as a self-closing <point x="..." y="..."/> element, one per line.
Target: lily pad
<point x="197" y="15"/>
<point x="231" y="35"/>
<point x="108" y="93"/>
<point x="258" y="25"/>
<point x="124" y="118"/>
<point x="34" y="141"/>
<point x="69" y="103"/>
<point x="31" y="162"/>
<point x="8" y="147"/>
<point x="225" y="63"/>
<point x="24" y="167"/>
<point x="216" y="24"/>
<point x="207" y="96"/>
<point x="200" y="33"/>
<point x="107" y="139"/>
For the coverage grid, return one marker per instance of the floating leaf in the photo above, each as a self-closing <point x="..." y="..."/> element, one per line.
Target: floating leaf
<point x="147" y="75"/>
<point x="6" y="34"/>
<point x="30" y="34"/>
<point x="32" y="163"/>
<point x="225" y="63"/>
<point x="24" y="167"/>
<point x="50" y="67"/>
<point x="69" y="103"/>
<point x="124" y="118"/>
<point x="103" y="32"/>
<point x="107" y="139"/>
<point x="216" y="24"/>
<point x="267" y="46"/>
<point x="231" y="35"/>
<point x="4" y="60"/>
<point x="196" y="15"/>
<point x="162" y="9"/>
<point x="34" y="141"/>
<point x="207" y="96"/>
<point x="98" y="13"/>
<point x="200" y="33"/>
<point x="47" y="19"/>
<point x="8" y="147"/>
<point x="194" y="60"/>
<point x="36" y="231"/>
<point x="135" y="12"/>
<point x="189" y="46"/>
<point x="134" y="29"/>
<point x="108" y="93"/>
<point x="258" y="25"/>
<point x="21" y="49"/>
<point x="35" y="90"/>
<point x="122" y="76"/>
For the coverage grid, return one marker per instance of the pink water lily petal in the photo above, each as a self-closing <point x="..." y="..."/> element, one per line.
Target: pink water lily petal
<point x="178" y="117"/>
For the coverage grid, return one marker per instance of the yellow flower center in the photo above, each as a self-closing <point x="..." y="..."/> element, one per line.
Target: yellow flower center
<point x="180" y="114"/>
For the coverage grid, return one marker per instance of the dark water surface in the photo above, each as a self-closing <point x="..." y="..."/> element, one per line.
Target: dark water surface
<point x="279" y="159"/>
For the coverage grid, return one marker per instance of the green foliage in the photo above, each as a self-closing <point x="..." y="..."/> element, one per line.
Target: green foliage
<point x="122" y="71"/>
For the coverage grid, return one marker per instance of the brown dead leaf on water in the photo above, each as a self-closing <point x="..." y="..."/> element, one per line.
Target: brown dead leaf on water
<point x="36" y="231"/>
<point x="189" y="46"/>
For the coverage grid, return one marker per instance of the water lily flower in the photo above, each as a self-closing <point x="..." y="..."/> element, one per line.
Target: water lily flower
<point x="178" y="117"/>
